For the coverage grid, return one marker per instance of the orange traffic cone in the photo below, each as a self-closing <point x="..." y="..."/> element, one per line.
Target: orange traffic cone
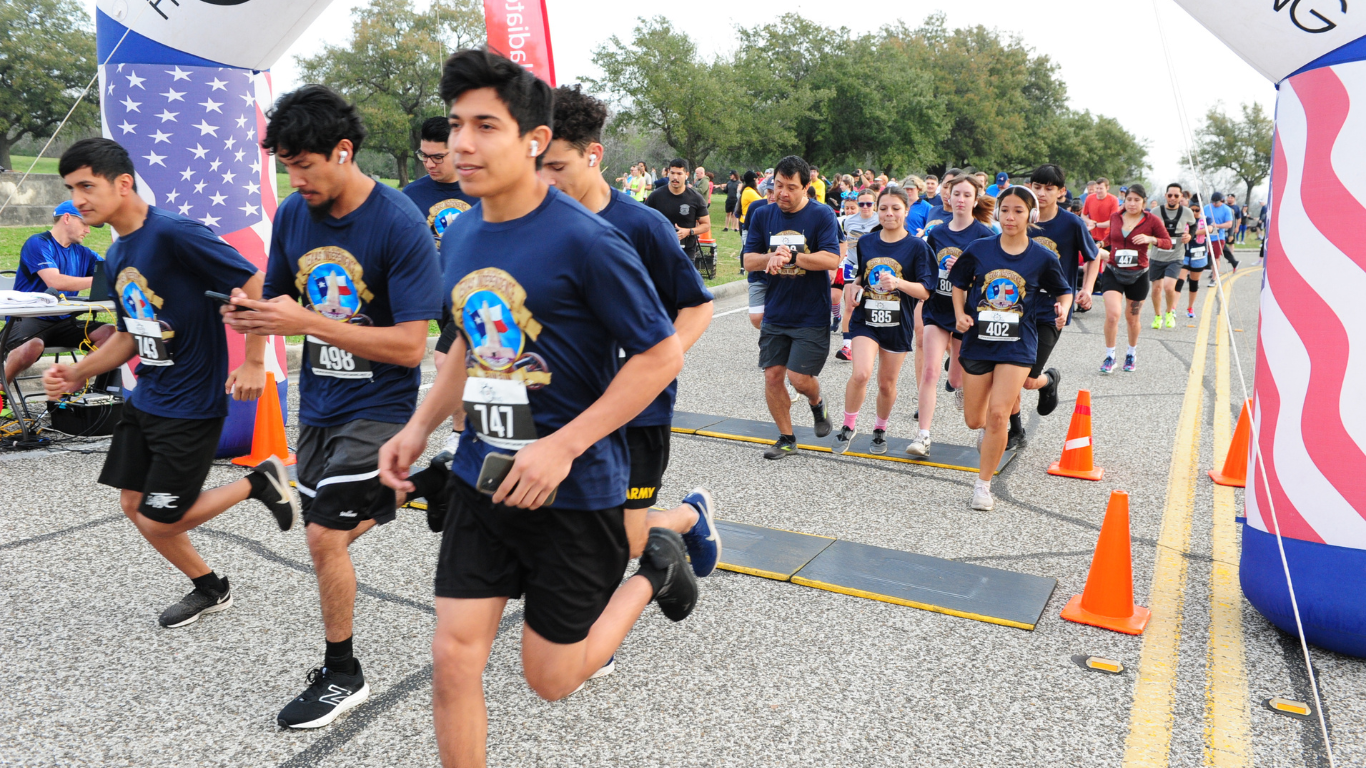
<point x="1234" y="472"/>
<point x="268" y="438"/>
<point x="1108" y="601"/>
<point x="1076" y="452"/>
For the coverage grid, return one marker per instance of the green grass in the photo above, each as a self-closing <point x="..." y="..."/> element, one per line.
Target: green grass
<point x="727" y="245"/>
<point x="20" y="164"/>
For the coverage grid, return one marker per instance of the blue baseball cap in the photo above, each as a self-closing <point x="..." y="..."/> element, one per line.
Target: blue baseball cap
<point x="67" y="207"/>
<point x="1002" y="177"/>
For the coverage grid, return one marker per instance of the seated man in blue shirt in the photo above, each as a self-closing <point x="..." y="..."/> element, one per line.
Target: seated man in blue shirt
<point x="54" y="260"/>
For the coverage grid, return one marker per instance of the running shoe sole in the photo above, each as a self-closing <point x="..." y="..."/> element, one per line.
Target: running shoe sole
<point x="223" y="606"/>
<point x="877" y="448"/>
<point x="989" y="506"/>
<point x="349" y="703"/>
<point x="276" y="474"/>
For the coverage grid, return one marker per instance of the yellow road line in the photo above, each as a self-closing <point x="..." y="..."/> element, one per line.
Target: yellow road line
<point x="1227" y="715"/>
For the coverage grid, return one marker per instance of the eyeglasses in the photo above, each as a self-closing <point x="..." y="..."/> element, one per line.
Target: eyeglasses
<point x="437" y="159"/>
<point x="865" y="205"/>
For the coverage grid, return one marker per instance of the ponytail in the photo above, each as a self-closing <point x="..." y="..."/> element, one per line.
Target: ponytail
<point x="985" y="209"/>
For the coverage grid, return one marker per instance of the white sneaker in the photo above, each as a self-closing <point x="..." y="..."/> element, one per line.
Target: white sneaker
<point x="920" y="446"/>
<point x="604" y="671"/>
<point x="448" y="451"/>
<point x="958" y="398"/>
<point x="982" y="500"/>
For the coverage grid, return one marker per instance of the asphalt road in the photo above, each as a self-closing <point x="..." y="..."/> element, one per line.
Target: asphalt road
<point x="764" y="673"/>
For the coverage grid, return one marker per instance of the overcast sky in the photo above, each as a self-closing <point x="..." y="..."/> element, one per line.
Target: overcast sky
<point x="1110" y="54"/>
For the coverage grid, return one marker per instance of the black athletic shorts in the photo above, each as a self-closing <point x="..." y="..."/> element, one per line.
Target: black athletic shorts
<point x="730" y="204"/>
<point x="67" y="332"/>
<point x="1135" y="291"/>
<point x="164" y="459"/>
<point x="339" y="474"/>
<point x="448" y="334"/>
<point x="1160" y="269"/>
<point x="567" y="562"/>
<point x="982" y="367"/>
<point x="649" y="449"/>
<point x="800" y="350"/>
<point x="1048" y="338"/>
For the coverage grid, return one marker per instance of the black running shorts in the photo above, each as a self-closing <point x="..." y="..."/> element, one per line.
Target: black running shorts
<point x="1135" y="291"/>
<point x="649" y="450"/>
<point x="164" y="459"/>
<point x="1048" y="338"/>
<point x="339" y="474"/>
<point x="800" y="350"/>
<point x="982" y="367"/>
<point x="66" y="332"/>
<point x="566" y="562"/>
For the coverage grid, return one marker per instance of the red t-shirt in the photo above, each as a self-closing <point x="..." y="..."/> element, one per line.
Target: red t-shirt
<point x="1100" y="209"/>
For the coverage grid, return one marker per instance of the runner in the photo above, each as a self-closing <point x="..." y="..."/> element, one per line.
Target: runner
<point x="1097" y="208"/>
<point x="931" y="188"/>
<point x="571" y="163"/>
<point x="167" y="435"/>
<point x="546" y="293"/>
<point x="1197" y="257"/>
<point x="852" y="228"/>
<point x="1166" y="266"/>
<point x="796" y="243"/>
<point x="352" y="270"/>
<point x="893" y="270"/>
<point x="971" y="211"/>
<point x="437" y="195"/>
<point x="685" y="209"/>
<point x="757" y="278"/>
<point x="997" y="286"/>
<point x="1219" y="219"/>
<point x="920" y="208"/>
<point x="1124" y="283"/>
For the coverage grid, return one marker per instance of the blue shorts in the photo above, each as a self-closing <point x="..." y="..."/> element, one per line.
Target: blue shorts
<point x="1196" y="264"/>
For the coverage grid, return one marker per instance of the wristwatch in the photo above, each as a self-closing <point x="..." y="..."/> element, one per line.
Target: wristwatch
<point x="793" y="259"/>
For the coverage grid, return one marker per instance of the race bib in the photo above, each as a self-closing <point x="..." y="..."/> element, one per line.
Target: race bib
<point x="1198" y="252"/>
<point x="998" y="326"/>
<point x="327" y="360"/>
<point x="1126" y="257"/>
<point x="878" y="313"/>
<point x="945" y="287"/>
<point x="500" y="413"/>
<point x="793" y="242"/>
<point x="151" y="341"/>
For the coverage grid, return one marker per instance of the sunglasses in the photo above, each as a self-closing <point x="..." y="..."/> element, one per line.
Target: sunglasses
<point x="865" y="205"/>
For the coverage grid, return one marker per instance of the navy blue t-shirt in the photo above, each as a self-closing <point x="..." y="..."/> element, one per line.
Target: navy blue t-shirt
<point x="1066" y="236"/>
<point x="757" y="275"/>
<point x="935" y="216"/>
<point x="908" y="259"/>
<point x="998" y="282"/>
<point x="42" y="251"/>
<point x="374" y="266"/>
<point x="945" y="244"/>
<point x="438" y="202"/>
<point x="676" y="280"/>
<point x="796" y="297"/>
<point x="546" y="300"/>
<point x="160" y="273"/>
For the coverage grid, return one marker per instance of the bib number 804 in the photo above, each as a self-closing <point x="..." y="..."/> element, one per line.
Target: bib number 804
<point x="495" y="420"/>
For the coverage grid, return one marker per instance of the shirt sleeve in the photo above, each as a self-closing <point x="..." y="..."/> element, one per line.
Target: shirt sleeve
<point x="923" y="267"/>
<point x="90" y="257"/>
<point x="1089" y="249"/>
<point x="35" y="255"/>
<point x="678" y="283"/>
<point x="219" y="263"/>
<point x="626" y="300"/>
<point x="964" y="271"/>
<point x="414" y="278"/>
<point x="279" y="275"/>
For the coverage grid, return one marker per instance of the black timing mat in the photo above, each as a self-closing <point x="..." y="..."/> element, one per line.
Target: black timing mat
<point x="767" y="552"/>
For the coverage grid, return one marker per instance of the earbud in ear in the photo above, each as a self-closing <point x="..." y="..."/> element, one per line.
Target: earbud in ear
<point x="535" y="148"/>
<point x="592" y="160"/>
<point x="341" y="157"/>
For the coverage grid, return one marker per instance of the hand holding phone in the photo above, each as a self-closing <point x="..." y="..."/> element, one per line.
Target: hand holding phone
<point x="226" y="300"/>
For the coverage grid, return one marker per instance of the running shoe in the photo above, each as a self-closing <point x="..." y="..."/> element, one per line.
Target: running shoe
<point x="879" y="444"/>
<point x="822" y="417"/>
<point x="677" y="595"/>
<point x="920" y="446"/>
<point x="702" y="540"/>
<point x="786" y="446"/>
<point x="1048" y="394"/>
<point x="1190" y="313"/>
<point x="1016" y="439"/>
<point x="329" y="694"/>
<point x="916" y="416"/>
<point x="843" y="354"/>
<point x="844" y="439"/>
<point x="958" y="398"/>
<point x="982" y="500"/>
<point x="603" y="671"/>
<point x="196" y="604"/>
<point x="448" y="451"/>
<point x="1129" y="363"/>
<point x="1107" y="366"/>
<point x="948" y="387"/>
<point x="277" y="495"/>
<point x="1171" y="319"/>
<point x="1157" y="322"/>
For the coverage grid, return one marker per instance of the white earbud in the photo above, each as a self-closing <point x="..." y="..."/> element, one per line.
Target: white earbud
<point x="342" y="157"/>
<point x="592" y="160"/>
<point x="535" y="148"/>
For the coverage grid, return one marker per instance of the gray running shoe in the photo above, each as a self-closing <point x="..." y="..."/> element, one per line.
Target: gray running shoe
<point x="196" y="604"/>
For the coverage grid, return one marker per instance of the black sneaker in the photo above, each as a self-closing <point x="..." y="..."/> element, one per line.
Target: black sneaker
<point x="1015" y="439"/>
<point x="844" y="439"/>
<point x="785" y="447"/>
<point x="948" y="387"/>
<point x="194" y="605"/>
<point x="1048" y="395"/>
<point x="822" y="416"/>
<point x="664" y="551"/>
<point x="277" y="495"/>
<point x="879" y="444"/>
<point x="329" y="694"/>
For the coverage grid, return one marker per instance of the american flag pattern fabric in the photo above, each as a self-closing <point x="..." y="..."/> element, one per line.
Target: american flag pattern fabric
<point x="1309" y="419"/>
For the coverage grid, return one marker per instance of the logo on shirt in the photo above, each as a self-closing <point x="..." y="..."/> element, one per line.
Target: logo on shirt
<point x="932" y="223"/>
<point x="330" y="279"/>
<point x="494" y="317"/>
<point x="1049" y="244"/>
<point x="683" y="209"/>
<point x="139" y="301"/>
<point x="945" y="255"/>
<point x="790" y="270"/>
<point x="441" y="215"/>
<point x="879" y="267"/>
<point x="1002" y="291"/>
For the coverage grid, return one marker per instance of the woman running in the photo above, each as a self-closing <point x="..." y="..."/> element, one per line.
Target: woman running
<point x="1196" y="259"/>
<point x="893" y="270"/>
<point x="1124" y="283"/>
<point x="971" y="211"/>
<point x="996" y="284"/>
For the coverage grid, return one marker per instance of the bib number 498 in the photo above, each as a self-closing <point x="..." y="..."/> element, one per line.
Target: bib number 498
<point x="327" y="360"/>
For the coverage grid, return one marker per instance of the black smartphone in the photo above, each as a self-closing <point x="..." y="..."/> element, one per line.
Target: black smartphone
<point x="495" y="469"/>
<point x="225" y="299"/>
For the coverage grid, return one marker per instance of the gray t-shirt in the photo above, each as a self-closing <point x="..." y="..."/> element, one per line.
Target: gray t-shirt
<point x="1177" y="223"/>
<point x="856" y="226"/>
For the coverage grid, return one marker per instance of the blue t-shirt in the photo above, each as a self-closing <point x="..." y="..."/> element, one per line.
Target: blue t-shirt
<point x="546" y="300"/>
<point x="935" y="216"/>
<point x="374" y="266"/>
<point x="797" y="297"/>
<point x="1218" y="215"/>
<point x="42" y="251"/>
<point x="1066" y="236"/>
<point x="945" y="244"/>
<point x="438" y="202"/>
<point x="907" y="259"/>
<point x="998" y="282"/>
<point x="916" y="217"/>
<point x="676" y="280"/>
<point x="160" y="273"/>
<point x="757" y="275"/>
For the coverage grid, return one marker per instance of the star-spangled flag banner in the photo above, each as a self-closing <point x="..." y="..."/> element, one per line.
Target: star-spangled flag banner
<point x="194" y="137"/>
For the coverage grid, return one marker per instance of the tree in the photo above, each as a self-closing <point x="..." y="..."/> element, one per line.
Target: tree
<point x="47" y="56"/>
<point x="391" y="68"/>
<point x="1241" y="147"/>
<point x="1088" y="147"/>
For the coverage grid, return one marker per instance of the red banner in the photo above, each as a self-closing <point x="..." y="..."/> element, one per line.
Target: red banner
<point x="520" y="30"/>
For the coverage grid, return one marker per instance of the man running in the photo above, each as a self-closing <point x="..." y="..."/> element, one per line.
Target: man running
<point x="437" y="195"/>
<point x="1219" y="218"/>
<point x="1097" y="208"/>
<point x="545" y="293"/>
<point x="352" y="270"/>
<point x="683" y="207"/>
<point x="796" y="243"/>
<point x="1165" y="266"/>
<point x="570" y="166"/>
<point x="167" y="435"/>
